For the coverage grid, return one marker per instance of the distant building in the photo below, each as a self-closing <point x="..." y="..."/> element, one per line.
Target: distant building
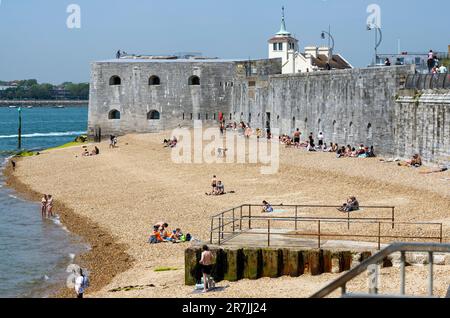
<point x="285" y="46"/>
<point x="60" y="93"/>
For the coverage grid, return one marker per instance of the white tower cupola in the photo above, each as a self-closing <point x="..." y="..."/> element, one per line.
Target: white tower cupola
<point x="283" y="45"/>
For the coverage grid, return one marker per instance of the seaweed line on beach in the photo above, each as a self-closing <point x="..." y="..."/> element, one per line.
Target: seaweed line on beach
<point x="105" y="259"/>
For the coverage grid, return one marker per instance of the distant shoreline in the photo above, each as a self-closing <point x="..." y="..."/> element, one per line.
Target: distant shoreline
<point x="4" y="103"/>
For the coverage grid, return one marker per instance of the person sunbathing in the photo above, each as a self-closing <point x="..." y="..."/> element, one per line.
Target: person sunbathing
<point x="95" y="151"/>
<point x="351" y="205"/>
<point x="416" y="161"/>
<point x="267" y="208"/>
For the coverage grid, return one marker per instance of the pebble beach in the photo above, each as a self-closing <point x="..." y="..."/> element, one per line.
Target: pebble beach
<point x="113" y="199"/>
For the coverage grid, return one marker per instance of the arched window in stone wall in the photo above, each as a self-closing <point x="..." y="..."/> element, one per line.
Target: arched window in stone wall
<point x="305" y="123"/>
<point x="183" y="116"/>
<point x="231" y="116"/>
<point x="199" y="116"/>
<point x="369" y="131"/>
<point x="293" y="123"/>
<point x="153" y="115"/>
<point x="114" y="114"/>
<point x="154" y="80"/>
<point x="206" y="116"/>
<point x="194" y="80"/>
<point x="334" y="127"/>
<point x="350" y="129"/>
<point x="319" y="125"/>
<point x="115" y="80"/>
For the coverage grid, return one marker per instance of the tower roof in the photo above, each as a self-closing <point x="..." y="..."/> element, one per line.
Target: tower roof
<point x="283" y="31"/>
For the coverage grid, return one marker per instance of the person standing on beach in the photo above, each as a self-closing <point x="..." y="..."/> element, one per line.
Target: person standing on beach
<point x="13" y="164"/>
<point x="206" y="262"/>
<point x="49" y="206"/>
<point x="81" y="283"/>
<point x="44" y="206"/>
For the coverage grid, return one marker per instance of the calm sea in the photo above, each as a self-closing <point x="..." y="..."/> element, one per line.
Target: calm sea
<point x="34" y="253"/>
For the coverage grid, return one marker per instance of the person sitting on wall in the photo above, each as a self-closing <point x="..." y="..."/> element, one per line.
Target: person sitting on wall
<point x="267" y="208"/>
<point x="351" y="205"/>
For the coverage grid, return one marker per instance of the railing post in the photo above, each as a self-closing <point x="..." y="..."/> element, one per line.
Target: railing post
<point x="249" y="216"/>
<point x="343" y="289"/>
<point x="373" y="279"/>
<point x="233" y="221"/>
<point x="379" y="235"/>
<point x="268" y="232"/>
<point x="211" y="234"/>
<point x="296" y="215"/>
<point x="402" y="272"/>
<point x="219" y="230"/>
<point x="240" y="220"/>
<point x="223" y="225"/>
<point x="319" y="234"/>
<point x="430" y="274"/>
<point x="393" y="217"/>
<point x="348" y="220"/>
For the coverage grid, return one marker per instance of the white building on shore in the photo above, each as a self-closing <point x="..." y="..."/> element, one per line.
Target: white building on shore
<point x="285" y="46"/>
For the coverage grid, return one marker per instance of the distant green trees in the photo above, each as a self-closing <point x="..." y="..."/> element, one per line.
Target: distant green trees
<point x="31" y="89"/>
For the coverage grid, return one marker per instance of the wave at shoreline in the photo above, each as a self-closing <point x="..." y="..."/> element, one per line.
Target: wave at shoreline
<point x="52" y="134"/>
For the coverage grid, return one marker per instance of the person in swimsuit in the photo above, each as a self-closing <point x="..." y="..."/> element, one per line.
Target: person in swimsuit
<point x="206" y="266"/>
<point x="213" y="184"/>
<point x="49" y="206"/>
<point x="297" y="134"/>
<point x="44" y="205"/>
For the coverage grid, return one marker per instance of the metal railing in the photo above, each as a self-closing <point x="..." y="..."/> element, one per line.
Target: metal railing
<point x="428" y="81"/>
<point x="242" y="221"/>
<point x="342" y="281"/>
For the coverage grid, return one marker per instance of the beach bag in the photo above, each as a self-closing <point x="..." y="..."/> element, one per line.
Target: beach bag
<point x="188" y="237"/>
<point x="183" y="238"/>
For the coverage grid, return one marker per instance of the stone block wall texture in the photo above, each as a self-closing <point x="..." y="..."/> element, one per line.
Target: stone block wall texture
<point x="233" y="264"/>
<point x="356" y="106"/>
<point x="178" y="103"/>
<point x="422" y="125"/>
<point x="349" y="106"/>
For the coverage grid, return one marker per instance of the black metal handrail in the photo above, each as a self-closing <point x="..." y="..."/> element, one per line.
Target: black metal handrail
<point x="342" y="281"/>
<point x="221" y="232"/>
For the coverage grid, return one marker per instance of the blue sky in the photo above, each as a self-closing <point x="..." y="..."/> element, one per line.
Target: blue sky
<point x="36" y="43"/>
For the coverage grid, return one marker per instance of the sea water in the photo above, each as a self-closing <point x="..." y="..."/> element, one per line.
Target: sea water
<point x="35" y="252"/>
